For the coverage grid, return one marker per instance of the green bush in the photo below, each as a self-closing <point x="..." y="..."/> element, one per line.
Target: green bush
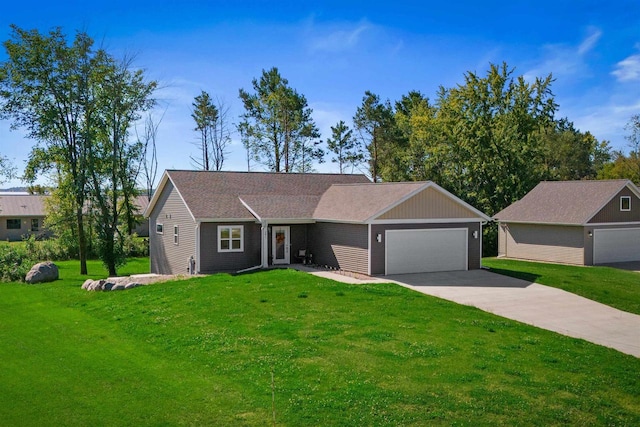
<point x="48" y="249"/>
<point x="15" y="263"/>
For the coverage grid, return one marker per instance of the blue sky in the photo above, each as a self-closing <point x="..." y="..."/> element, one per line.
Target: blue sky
<point x="332" y="51"/>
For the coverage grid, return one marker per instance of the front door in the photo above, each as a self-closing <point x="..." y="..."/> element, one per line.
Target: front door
<point x="280" y="244"/>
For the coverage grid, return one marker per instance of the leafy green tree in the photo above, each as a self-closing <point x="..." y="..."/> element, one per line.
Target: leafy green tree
<point x="77" y="103"/>
<point x="344" y="146"/>
<point x="211" y="125"/>
<point x="45" y="88"/>
<point x="626" y="166"/>
<point x="7" y="170"/>
<point x="570" y="154"/>
<point x="379" y="135"/>
<point x="277" y="128"/>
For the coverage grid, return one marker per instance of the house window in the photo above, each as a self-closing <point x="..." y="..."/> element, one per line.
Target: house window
<point x="175" y="234"/>
<point x="35" y="224"/>
<point x="230" y="238"/>
<point x="13" y="224"/>
<point x="625" y="203"/>
<point x="159" y="229"/>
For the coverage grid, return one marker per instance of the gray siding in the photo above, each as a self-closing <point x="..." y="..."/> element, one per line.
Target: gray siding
<point x="612" y="213"/>
<point x="342" y="246"/>
<point x="165" y="256"/>
<point x="24" y="230"/>
<point x="213" y="261"/>
<point x="429" y="203"/>
<point x="502" y="240"/>
<point x="552" y="243"/>
<point x="378" y="248"/>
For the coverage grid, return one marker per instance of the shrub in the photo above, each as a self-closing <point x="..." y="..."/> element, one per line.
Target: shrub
<point x="15" y="263"/>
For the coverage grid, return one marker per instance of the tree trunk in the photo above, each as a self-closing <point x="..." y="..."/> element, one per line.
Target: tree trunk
<point x="82" y="240"/>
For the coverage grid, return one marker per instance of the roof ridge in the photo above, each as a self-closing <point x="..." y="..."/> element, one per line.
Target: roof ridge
<point x="268" y="172"/>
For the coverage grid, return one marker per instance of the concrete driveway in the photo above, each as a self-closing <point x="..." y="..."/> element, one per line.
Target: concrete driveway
<point x="534" y="304"/>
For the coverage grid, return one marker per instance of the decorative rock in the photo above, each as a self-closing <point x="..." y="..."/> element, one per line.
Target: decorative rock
<point x="131" y="285"/>
<point x="42" y="272"/>
<point x="116" y="287"/>
<point x="87" y="283"/>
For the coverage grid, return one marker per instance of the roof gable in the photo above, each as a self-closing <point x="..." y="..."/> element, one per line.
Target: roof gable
<point x="19" y="206"/>
<point x="392" y="200"/>
<point x="564" y="202"/>
<point x="429" y="203"/>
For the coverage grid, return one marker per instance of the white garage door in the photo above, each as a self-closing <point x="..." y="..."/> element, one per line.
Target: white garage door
<point x="616" y="245"/>
<point x="418" y="251"/>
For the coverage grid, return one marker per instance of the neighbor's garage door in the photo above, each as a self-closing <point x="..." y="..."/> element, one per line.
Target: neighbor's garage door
<point x="418" y="251"/>
<point x="616" y="245"/>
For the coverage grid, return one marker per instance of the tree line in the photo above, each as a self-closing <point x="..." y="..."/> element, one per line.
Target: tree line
<point x="489" y="140"/>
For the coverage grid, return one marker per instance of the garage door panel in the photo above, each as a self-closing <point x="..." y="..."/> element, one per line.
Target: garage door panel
<point x="417" y="251"/>
<point x="616" y="245"/>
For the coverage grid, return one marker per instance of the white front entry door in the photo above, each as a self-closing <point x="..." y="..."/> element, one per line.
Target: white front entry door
<point x="280" y="244"/>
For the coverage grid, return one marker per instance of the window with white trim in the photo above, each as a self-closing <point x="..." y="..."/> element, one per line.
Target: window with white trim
<point x="625" y="203"/>
<point x="159" y="228"/>
<point x="175" y="234"/>
<point x="230" y="238"/>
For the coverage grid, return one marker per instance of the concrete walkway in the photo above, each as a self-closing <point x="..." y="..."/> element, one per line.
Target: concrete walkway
<point x="534" y="304"/>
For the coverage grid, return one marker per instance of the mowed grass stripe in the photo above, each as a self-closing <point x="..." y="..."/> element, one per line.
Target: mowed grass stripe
<point x="202" y="351"/>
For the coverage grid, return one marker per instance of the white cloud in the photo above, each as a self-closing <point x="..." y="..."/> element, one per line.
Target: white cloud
<point x="589" y="42"/>
<point x="339" y="40"/>
<point x="628" y="69"/>
<point x="563" y="59"/>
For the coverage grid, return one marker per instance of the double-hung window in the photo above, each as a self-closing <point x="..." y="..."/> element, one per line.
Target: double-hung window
<point x="230" y="238"/>
<point x="175" y="234"/>
<point x="35" y="224"/>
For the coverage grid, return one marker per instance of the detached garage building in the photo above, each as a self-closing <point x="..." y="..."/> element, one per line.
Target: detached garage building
<point x="205" y="222"/>
<point x="573" y="222"/>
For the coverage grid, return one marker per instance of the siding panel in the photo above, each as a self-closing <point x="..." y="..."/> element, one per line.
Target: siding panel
<point x="165" y="256"/>
<point x="340" y="245"/>
<point x="212" y="261"/>
<point x="429" y="203"/>
<point x="612" y="213"/>
<point x="562" y="244"/>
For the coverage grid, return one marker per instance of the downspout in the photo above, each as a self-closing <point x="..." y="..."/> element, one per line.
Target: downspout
<point x="264" y="251"/>
<point x="198" y="247"/>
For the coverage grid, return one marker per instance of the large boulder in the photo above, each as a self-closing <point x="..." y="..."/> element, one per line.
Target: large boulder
<point x="42" y="272"/>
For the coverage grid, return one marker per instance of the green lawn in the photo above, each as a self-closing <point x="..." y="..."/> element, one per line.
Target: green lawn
<point x="203" y="352"/>
<point x="611" y="286"/>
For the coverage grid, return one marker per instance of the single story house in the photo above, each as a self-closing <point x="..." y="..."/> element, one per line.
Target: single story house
<point x="573" y="222"/>
<point x="205" y="222"/>
<point x="21" y="215"/>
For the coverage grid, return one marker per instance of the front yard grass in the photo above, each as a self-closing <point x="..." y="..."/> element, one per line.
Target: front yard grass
<point x="611" y="286"/>
<point x="203" y="352"/>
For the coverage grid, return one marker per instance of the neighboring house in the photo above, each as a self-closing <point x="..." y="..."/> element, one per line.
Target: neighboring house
<point x="21" y="216"/>
<point x="573" y="222"/>
<point x="228" y="221"/>
<point x="142" y="226"/>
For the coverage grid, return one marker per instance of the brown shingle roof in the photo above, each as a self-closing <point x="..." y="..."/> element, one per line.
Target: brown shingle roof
<point x="211" y="195"/>
<point x="563" y="202"/>
<point x="22" y="205"/>
<point x="359" y="202"/>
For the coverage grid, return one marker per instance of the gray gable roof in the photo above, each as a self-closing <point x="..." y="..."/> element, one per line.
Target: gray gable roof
<point x="212" y="196"/>
<point x="564" y="202"/>
<point x="215" y="195"/>
<point x="359" y="202"/>
<point x="20" y="206"/>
